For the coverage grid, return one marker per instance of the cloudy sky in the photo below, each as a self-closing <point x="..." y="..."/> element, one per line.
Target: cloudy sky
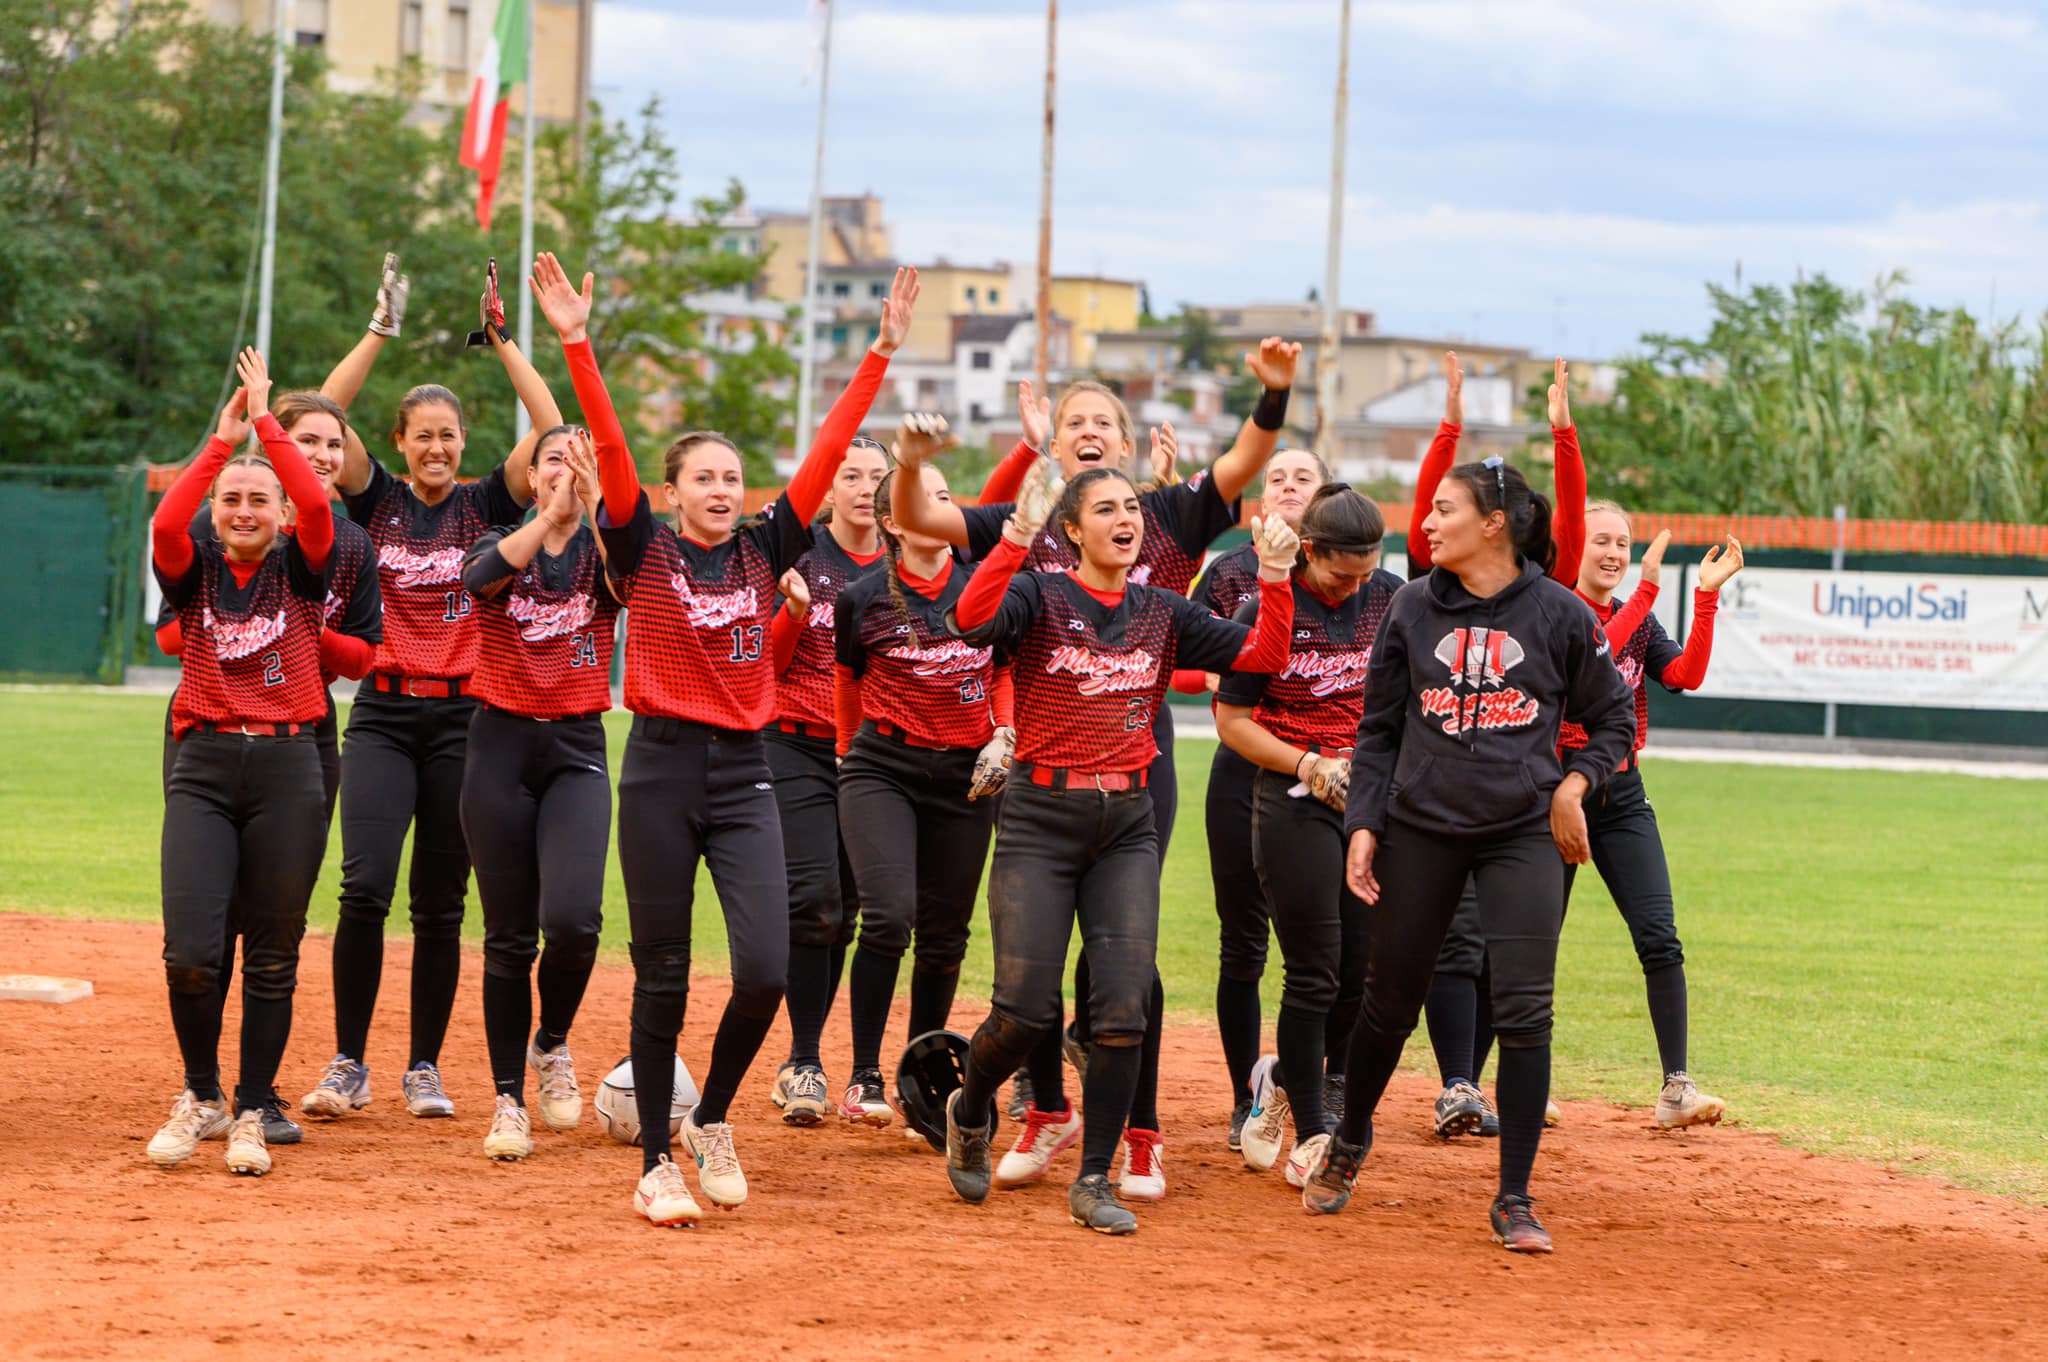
<point x="1562" y="174"/>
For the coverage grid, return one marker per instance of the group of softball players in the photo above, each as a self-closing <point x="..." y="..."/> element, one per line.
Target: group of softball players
<point x="838" y="702"/>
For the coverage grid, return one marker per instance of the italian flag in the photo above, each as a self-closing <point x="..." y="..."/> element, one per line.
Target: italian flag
<point x="490" y="102"/>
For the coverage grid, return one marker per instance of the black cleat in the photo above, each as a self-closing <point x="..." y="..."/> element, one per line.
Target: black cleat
<point x="279" y="1128"/>
<point x="1021" y="1095"/>
<point x="1460" y="1110"/>
<point x="967" y="1166"/>
<point x="1515" y="1226"/>
<point x="1329" y="1183"/>
<point x="1093" y="1205"/>
<point x="1333" y="1098"/>
<point x="1238" y="1114"/>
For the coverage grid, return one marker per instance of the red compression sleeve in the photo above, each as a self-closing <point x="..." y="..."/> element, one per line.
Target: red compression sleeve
<point x="302" y="486"/>
<point x="1443" y="452"/>
<point x="1007" y="478"/>
<point x="1624" y="622"/>
<point x="1265" y="650"/>
<point x="1568" y="518"/>
<point x="616" y="474"/>
<point x="170" y="529"/>
<point x="784" y="631"/>
<point x="807" y="489"/>
<point x="170" y="637"/>
<point x="345" y="654"/>
<point x="1190" y="682"/>
<point x="846" y="704"/>
<point x="1003" y="698"/>
<point x="984" y="591"/>
<point x="1688" y="671"/>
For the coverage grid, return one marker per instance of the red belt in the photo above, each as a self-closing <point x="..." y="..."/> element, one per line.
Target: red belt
<point x="902" y="735"/>
<point x="252" y="729"/>
<point x="423" y="687"/>
<point x="1060" y="778"/>
<point x="819" y="731"/>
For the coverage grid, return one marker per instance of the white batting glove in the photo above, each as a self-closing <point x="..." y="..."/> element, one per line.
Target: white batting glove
<point x="391" y="296"/>
<point x="1036" y="500"/>
<point x="1278" y="546"/>
<point x="1329" y="779"/>
<point x="992" y="766"/>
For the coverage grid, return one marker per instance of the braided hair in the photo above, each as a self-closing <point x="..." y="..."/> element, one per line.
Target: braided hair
<point x="892" y="547"/>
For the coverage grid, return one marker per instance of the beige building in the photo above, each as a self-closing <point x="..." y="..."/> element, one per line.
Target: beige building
<point x="946" y="291"/>
<point x="1092" y="305"/>
<point x="364" y="40"/>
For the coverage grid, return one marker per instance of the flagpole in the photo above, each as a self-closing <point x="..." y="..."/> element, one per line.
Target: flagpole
<point x="267" y="269"/>
<point x="1330" y="352"/>
<point x="521" y="422"/>
<point x="807" y="360"/>
<point x="1044" y="322"/>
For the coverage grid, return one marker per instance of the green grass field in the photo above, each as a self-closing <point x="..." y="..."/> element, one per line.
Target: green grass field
<point x="1868" y="951"/>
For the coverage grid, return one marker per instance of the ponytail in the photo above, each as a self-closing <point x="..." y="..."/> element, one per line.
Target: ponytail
<point x="892" y="547"/>
<point x="1338" y="519"/>
<point x="1498" y="486"/>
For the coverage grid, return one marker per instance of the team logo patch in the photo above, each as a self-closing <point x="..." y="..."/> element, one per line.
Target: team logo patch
<point x="240" y="638"/>
<point x="439" y="568"/>
<point x="1104" y="672"/>
<point x="549" y="619"/>
<point x="1479" y="659"/>
<point x="1328" y="673"/>
<point x="944" y="659"/>
<point x="714" y="610"/>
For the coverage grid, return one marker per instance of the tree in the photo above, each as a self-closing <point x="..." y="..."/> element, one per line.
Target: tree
<point x="1199" y="343"/>
<point x="1800" y="399"/>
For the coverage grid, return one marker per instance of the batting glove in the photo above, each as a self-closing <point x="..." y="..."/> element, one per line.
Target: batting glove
<point x="490" y="310"/>
<point x="391" y="295"/>
<point x="992" y="767"/>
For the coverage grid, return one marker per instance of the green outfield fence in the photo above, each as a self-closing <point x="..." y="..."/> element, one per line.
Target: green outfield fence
<point x="72" y="550"/>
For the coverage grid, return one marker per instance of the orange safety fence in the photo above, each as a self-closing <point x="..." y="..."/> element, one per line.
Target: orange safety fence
<point x="1949" y="537"/>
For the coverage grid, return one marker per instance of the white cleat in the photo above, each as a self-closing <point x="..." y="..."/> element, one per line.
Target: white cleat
<point x="511" y="1137"/>
<point x="663" y="1198"/>
<point x="1043" y="1136"/>
<point x="424" y="1095"/>
<point x="1683" y="1104"/>
<point x="1302" y="1161"/>
<point x="1144" y="1159"/>
<point x="248" y="1154"/>
<point x="718" y="1163"/>
<point x="561" y="1100"/>
<point x="191" y="1121"/>
<point x="1266" y="1126"/>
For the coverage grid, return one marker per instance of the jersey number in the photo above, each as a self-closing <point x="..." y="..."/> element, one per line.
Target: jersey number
<point x="459" y="605"/>
<point x="970" y="690"/>
<point x="1135" y="717"/>
<point x="746" y="643"/>
<point x="586" y="651"/>
<point x="273" y="669"/>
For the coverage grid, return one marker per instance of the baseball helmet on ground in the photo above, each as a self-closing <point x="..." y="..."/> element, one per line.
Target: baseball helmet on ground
<point x="933" y="1067"/>
<point x="618" y="1115"/>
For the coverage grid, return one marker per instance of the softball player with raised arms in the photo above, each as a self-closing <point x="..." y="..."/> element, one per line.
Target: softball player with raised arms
<point x="1455" y="775"/>
<point x="695" y="783"/>
<point x="244" y="805"/>
<point x="1076" y="839"/>
<point x="919" y="715"/>
<point x="408" y="728"/>
<point x="1296" y="727"/>
<point x="1621" y="827"/>
<point x="802" y="741"/>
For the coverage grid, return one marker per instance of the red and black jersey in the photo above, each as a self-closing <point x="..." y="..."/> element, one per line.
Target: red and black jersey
<point x="1228" y="581"/>
<point x="251" y="652"/>
<point x="1090" y="676"/>
<point x="546" y="638"/>
<point x="697" y="617"/>
<point x="429" y="616"/>
<point x="803" y="693"/>
<point x="1181" y="520"/>
<point x="355" y="601"/>
<point x="1315" y="700"/>
<point x="1649" y="652"/>
<point x="914" y="673"/>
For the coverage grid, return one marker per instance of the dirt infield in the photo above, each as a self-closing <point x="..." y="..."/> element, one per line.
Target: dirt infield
<point x="381" y="1236"/>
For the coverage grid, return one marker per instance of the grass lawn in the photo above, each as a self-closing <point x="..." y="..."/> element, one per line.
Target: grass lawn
<point x="1868" y="951"/>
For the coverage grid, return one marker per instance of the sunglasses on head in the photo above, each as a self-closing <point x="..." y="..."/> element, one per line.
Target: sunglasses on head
<point x="1500" y="476"/>
<point x="864" y="442"/>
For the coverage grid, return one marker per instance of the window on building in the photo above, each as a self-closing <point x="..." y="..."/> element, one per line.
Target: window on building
<point x="838" y="338"/>
<point x="409" y="18"/>
<point x="841" y="291"/>
<point x="455" y="47"/>
<point x="974" y="412"/>
<point x="995" y="295"/>
<point x="309" y="26"/>
<point x="878" y="289"/>
<point x="981" y="359"/>
<point x="970" y="295"/>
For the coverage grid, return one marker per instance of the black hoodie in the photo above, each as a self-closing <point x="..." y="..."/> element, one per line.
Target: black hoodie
<point x="1463" y="700"/>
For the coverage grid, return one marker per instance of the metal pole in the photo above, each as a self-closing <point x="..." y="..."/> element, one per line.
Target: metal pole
<point x="807" y="358"/>
<point x="267" y="269"/>
<point x="521" y="422"/>
<point x="1841" y="541"/>
<point x="1329" y="351"/>
<point x="1044" y="324"/>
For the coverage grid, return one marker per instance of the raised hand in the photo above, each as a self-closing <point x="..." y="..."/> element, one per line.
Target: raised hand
<point x="1278" y="546"/>
<point x="1036" y="414"/>
<point x="255" y="376"/>
<point x="1165" y="448"/>
<point x="922" y="436"/>
<point x="1561" y="397"/>
<point x="895" y="327"/>
<point x="490" y="310"/>
<point x="583" y="469"/>
<point x="1041" y="492"/>
<point x="1653" y="558"/>
<point x="234" y="418"/>
<point x="1274" y="363"/>
<point x="992" y="764"/>
<point x="559" y="505"/>
<point x="1454" y="390"/>
<point x="1719" y="565"/>
<point x="566" y="308"/>
<point x="796" y="594"/>
<point x="392" y="291"/>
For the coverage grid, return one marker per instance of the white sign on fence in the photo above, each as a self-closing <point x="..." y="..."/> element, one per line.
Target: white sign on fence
<point x="1882" y="638"/>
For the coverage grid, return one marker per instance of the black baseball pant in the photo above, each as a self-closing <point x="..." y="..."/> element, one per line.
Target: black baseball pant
<point x="1520" y="880"/>
<point x="242" y="824"/>
<point x="1298" y="848"/>
<point x="823" y="903"/>
<point x="537" y="813"/>
<point x="1459" y="1008"/>
<point x="402" y="766"/>
<point x="691" y="792"/>
<point x="917" y="845"/>
<point x="1063" y="856"/>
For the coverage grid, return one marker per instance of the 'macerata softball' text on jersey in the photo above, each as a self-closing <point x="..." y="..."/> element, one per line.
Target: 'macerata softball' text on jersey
<point x="250" y="652"/>
<point x="546" y="638"/>
<point x="1181" y="521"/>
<point x="803" y="692"/>
<point x="1090" y="673"/>
<point x="1317" y="697"/>
<point x="429" y="616"/>
<point x="1645" y="651"/>
<point x="914" y="673"/>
